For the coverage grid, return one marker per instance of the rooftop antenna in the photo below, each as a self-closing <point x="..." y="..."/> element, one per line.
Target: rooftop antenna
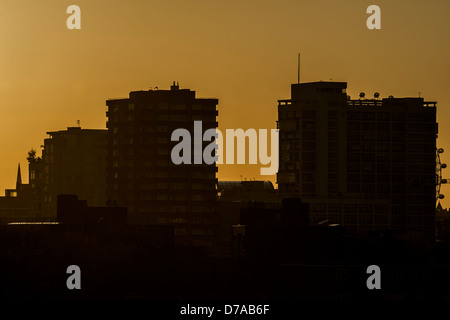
<point x="79" y="123"/>
<point x="298" y="68"/>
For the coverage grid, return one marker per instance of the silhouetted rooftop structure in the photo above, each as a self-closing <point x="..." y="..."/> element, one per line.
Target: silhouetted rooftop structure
<point x="71" y="210"/>
<point x="141" y="174"/>
<point x="368" y="164"/>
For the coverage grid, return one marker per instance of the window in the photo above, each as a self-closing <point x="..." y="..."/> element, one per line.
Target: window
<point x="333" y="135"/>
<point x="354" y="126"/>
<point x="319" y="208"/>
<point x="355" y="157"/>
<point x="369" y="178"/>
<point x="332" y="166"/>
<point x="162" y="117"/>
<point x="179" y="186"/>
<point x="180" y="231"/>
<point x="161" y="197"/>
<point x="333" y="114"/>
<point x="332" y="177"/>
<point x="383" y="116"/>
<point x="365" y="208"/>
<point x="332" y="207"/>
<point x="197" y="197"/>
<point x="398" y="116"/>
<point x="308" y="136"/>
<point x="332" y="146"/>
<point x="383" y="167"/>
<point x="368" y="157"/>
<point x="353" y="136"/>
<point x="308" y="156"/>
<point x="354" y="146"/>
<point x="308" y="146"/>
<point x="308" y="177"/>
<point x="163" y="140"/>
<point x="309" y="166"/>
<point x="369" y="116"/>
<point x="384" y="188"/>
<point x="163" y="129"/>
<point x="163" y="152"/>
<point x="332" y="156"/>
<point x="350" y="208"/>
<point x="308" y="125"/>
<point x="182" y="107"/>
<point x="309" y="114"/>
<point x="162" y="106"/>
<point x="178" y="117"/>
<point x="368" y="188"/>
<point x="398" y="126"/>
<point x="383" y="127"/>
<point x="368" y="136"/>
<point x="332" y="125"/>
<point x="162" y="174"/>
<point x="353" y="115"/>
<point x="308" y="188"/>
<point x="369" y="126"/>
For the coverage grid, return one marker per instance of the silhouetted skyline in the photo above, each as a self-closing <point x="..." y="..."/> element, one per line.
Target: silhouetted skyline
<point x="244" y="53"/>
<point x="127" y="188"/>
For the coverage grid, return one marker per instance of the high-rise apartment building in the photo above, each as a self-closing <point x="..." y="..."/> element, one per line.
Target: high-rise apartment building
<point x="368" y="164"/>
<point x="73" y="162"/>
<point x="141" y="174"/>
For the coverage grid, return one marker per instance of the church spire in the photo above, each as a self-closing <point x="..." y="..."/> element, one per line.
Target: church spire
<point x="19" y="179"/>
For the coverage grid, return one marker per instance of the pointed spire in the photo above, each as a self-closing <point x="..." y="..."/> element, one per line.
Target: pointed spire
<point x="439" y="206"/>
<point x="19" y="179"/>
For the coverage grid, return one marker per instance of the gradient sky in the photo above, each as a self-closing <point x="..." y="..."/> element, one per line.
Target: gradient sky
<point x="242" y="52"/>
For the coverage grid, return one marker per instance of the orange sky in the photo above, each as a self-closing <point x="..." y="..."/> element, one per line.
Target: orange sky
<point x="242" y="52"/>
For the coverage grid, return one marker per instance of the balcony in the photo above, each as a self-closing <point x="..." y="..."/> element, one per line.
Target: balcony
<point x="365" y="103"/>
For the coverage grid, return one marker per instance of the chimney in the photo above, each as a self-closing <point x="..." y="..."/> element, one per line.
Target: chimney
<point x="174" y="87"/>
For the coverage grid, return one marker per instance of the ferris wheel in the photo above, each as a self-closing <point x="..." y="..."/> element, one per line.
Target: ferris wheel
<point x="439" y="179"/>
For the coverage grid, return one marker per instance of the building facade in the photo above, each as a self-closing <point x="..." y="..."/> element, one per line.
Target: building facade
<point x="141" y="174"/>
<point x="368" y="164"/>
<point x="73" y="162"/>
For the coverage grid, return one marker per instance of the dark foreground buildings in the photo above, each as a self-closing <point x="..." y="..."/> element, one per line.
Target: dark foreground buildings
<point x="278" y="257"/>
<point x="357" y="166"/>
<point x="141" y="174"/>
<point x="73" y="162"/>
<point x="17" y="203"/>
<point x="368" y="164"/>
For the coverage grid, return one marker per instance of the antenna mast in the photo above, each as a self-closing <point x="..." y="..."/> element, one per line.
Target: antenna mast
<point x="298" y="67"/>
